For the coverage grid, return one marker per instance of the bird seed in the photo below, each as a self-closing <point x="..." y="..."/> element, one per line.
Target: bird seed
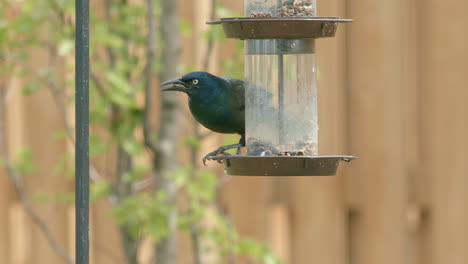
<point x="296" y="8"/>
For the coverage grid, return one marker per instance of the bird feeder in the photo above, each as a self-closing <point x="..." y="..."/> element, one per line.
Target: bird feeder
<point x="281" y="91"/>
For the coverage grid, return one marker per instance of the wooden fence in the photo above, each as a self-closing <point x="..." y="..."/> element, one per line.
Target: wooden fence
<point x="393" y="91"/>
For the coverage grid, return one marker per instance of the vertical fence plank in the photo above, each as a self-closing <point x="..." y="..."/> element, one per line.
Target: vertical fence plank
<point x="317" y="205"/>
<point x="20" y="235"/>
<point x="15" y="126"/>
<point x="146" y="252"/>
<point x="279" y="217"/>
<point x="415" y="214"/>
<point x="5" y="202"/>
<point x="248" y="199"/>
<point x="376" y="83"/>
<point x="71" y="231"/>
<point x="444" y="111"/>
<point x="106" y="243"/>
<point x="315" y="220"/>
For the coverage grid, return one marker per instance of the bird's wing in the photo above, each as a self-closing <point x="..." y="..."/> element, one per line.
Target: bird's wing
<point x="238" y="92"/>
<point x="262" y="95"/>
<point x="237" y="103"/>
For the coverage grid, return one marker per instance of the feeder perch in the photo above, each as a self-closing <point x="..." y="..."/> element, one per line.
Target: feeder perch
<point x="281" y="91"/>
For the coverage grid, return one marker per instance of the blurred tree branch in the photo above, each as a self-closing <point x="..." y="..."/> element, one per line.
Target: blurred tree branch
<point x="15" y="178"/>
<point x="150" y="53"/>
<point x="166" y="154"/>
<point x="59" y="100"/>
<point x="194" y="152"/>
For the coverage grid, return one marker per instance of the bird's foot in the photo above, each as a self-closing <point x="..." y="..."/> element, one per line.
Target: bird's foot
<point x="220" y="151"/>
<point x="210" y="156"/>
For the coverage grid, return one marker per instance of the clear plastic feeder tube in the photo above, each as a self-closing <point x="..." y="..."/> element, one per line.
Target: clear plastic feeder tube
<point x="279" y="8"/>
<point x="281" y="92"/>
<point x="281" y="97"/>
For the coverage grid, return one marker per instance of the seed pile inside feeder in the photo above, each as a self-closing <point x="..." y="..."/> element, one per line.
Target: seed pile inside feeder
<point x="296" y="8"/>
<point x="260" y="147"/>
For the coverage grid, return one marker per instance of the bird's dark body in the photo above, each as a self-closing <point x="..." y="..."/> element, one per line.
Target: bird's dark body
<point x="217" y="103"/>
<point x="220" y="108"/>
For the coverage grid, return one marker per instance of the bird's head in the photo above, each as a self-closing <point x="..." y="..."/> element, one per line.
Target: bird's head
<point x="192" y="83"/>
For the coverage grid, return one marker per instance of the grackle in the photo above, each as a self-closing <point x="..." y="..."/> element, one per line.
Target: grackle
<point x="217" y="103"/>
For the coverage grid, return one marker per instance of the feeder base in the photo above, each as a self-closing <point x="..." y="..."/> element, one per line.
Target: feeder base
<point x="282" y="165"/>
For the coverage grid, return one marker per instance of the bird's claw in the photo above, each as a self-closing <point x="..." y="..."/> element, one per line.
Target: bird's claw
<point x="213" y="154"/>
<point x="207" y="157"/>
<point x="220" y="151"/>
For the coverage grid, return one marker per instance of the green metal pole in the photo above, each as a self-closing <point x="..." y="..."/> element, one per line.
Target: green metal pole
<point x="82" y="132"/>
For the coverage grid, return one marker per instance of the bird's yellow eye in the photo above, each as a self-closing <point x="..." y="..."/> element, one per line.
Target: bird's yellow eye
<point x="195" y="81"/>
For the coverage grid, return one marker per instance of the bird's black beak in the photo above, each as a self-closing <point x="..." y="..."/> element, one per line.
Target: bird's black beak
<point x="175" y="85"/>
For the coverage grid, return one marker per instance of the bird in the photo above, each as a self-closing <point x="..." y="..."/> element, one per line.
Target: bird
<point x="217" y="103"/>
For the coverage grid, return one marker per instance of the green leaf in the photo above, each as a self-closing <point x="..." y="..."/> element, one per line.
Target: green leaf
<point x="216" y="34"/>
<point x="144" y="214"/>
<point x="132" y="146"/>
<point x="230" y="139"/>
<point x="185" y="28"/>
<point x="30" y="88"/>
<point x="256" y="250"/>
<point x="203" y="186"/>
<point x="59" y="135"/>
<point x="222" y="11"/>
<point x="119" y="82"/>
<point x="120" y="92"/>
<point x="104" y="37"/>
<point x="65" y="47"/>
<point x="61" y="165"/>
<point x="180" y="176"/>
<point x="192" y="142"/>
<point x="100" y="190"/>
<point x="70" y="175"/>
<point x="97" y="146"/>
<point x="25" y="161"/>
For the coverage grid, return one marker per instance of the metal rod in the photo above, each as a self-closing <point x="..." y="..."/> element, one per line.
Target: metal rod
<point x="281" y="98"/>
<point x="82" y="132"/>
<point x="279" y="4"/>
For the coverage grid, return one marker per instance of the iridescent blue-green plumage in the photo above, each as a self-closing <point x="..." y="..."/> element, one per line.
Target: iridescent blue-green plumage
<point x="215" y="102"/>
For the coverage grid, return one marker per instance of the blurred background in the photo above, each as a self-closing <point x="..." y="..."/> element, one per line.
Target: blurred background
<point x="392" y="91"/>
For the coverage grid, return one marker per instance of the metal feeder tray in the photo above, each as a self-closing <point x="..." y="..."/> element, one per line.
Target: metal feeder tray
<point x="280" y="27"/>
<point x="281" y="165"/>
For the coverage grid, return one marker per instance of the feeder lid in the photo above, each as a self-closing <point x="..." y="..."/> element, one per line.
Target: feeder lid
<point x="280" y="27"/>
<point x="282" y="165"/>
